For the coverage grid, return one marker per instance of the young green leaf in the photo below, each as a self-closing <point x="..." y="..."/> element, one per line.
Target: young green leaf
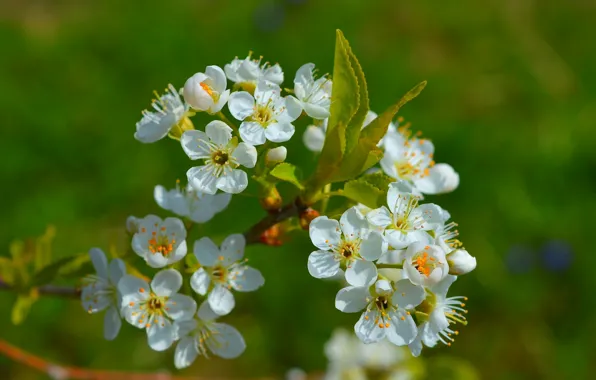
<point x="287" y="172"/>
<point x="357" y="120"/>
<point x="22" y="306"/>
<point x="363" y="192"/>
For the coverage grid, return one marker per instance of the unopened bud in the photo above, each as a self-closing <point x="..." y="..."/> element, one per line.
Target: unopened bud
<point x="271" y="236"/>
<point x="271" y="200"/>
<point x="278" y="154"/>
<point x="460" y="262"/>
<point x="132" y="225"/>
<point x="306" y="217"/>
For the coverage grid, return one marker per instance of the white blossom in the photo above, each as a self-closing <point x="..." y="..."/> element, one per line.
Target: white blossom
<point x="100" y="291"/>
<point x="266" y="116"/>
<point x="314" y="94"/>
<point x="350" y="243"/>
<point x="169" y="110"/>
<point x="207" y="91"/>
<point x="202" y="335"/>
<point x="387" y="310"/>
<point x="132" y="224"/>
<point x="156" y="307"/>
<point x="441" y="314"/>
<point x="160" y="242"/>
<point x="223" y="269"/>
<point x="405" y="222"/>
<point x="460" y="262"/>
<point x="425" y="264"/>
<point x="278" y="154"/>
<point x="221" y="155"/>
<point x="187" y="202"/>
<point x="248" y="72"/>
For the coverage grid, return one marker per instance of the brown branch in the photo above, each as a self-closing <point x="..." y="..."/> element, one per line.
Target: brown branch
<point x="253" y="235"/>
<point x="50" y="290"/>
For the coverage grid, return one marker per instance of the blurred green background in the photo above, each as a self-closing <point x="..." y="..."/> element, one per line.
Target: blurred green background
<point x="510" y="104"/>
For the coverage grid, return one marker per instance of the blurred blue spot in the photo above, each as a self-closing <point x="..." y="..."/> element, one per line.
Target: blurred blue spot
<point x="519" y="259"/>
<point x="269" y="17"/>
<point x="557" y="255"/>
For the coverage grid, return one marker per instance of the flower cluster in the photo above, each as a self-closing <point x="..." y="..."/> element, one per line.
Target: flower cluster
<point x="415" y="240"/>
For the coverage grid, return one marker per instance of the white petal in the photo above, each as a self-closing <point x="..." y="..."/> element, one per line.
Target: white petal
<point x="279" y="132"/>
<point x="178" y="253"/>
<point x="325" y="233"/>
<point x="440" y="289"/>
<point x="100" y="262"/>
<point x="195" y="144"/>
<point x="252" y="133"/>
<point x="200" y="281"/>
<point x="401" y="331"/>
<point x="221" y="300"/>
<point x="161" y="196"/>
<point x="160" y="334"/>
<point x="361" y="273"/>
<point x="353" y="224"/>
<point x="314" y="138"/>
<point x="373" y="246"/>
<point x="274" y="74"/>
<point x="234" y="182"/>
<point x="221" y="102"/>
<point x="367" y="330"/>
<point x="407" y="295"/>
<point x="202" y="179"/>
<point x="383" y="287"/>
<point x="441" y="179"/>
<point x="380" y="217"/>
<point x="227" y="342"/>
<point x="117" y="269"/>
<point x="220" y="202"/>
<point x="247" y="279"/>
<point x="246" y="155"/>
<point x="351" y="299"/>
<point x="316" y="111"/>
<point x="181" y="307"/>
<point x="93" y="300"/>
<point x="399" y="189"/>
<point x="206" y="313"/>
<point x="218" y="77"/>
<point x="292" y="111"/>
<point x="241" y="105"/>
<point x="186" y="352"/>
<point x="185" y="328"/>
<point x="438" y="321"/>
<point x="111" y="323"/>
<point x="156" y="260"/>
<point x="166" y="282"/>
<point x="206" y="252"/>
<point x="232" y="248"/>
<point x="133" y="287"/>
<point x="304" y="74"/>
<point x="461" y="262"/>
<point x="218" y="132"/>
<point x="154" y="127"/>
<point x="322" y="264"/>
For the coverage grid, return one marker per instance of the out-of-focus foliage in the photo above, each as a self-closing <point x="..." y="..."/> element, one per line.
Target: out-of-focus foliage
<point x="510" y="103"/>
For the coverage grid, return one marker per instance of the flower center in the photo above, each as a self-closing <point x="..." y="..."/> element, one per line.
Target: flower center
<point x="220" y="157"/>
<point x="207" y="88"/>
<point x="424" y="263"/>
<point x="348" y="249"/>
<point x="219" y="273"/>
<point x="155" y="304"/>
<point x="161" y="243"/>
<point x="263" y="115"/>
<point x="382" y="303"/>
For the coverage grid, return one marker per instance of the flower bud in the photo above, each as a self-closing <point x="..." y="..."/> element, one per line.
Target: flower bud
<point x="278" y="154"/>
<point x="132" y="224"/>
<point x="306" y="217"/>
<point x="383" y="287"/>
<point x="270" y="200"/>
<point x="197" y="92"/>
<point x="314" y="138"/>
<point x="271" y="236"/>
<point x="460" y="262"/>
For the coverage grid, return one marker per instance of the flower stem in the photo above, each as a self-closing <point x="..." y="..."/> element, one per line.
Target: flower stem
<point x="225" y="119"/>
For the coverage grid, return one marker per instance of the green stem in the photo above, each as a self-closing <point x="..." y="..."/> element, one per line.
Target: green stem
<point x="225" y="119"/>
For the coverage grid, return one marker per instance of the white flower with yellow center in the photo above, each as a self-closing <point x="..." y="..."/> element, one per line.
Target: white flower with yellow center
<point x="222" y="269"/>
<point x="246" y="73"/>
<point x="314" y="94"/>
<point x="156" y="307"/>
<point x="207" y="91"/>
<point x="169" y="111"/>
<point x="425" y="264"/>
<point x="100" y="291"/>
<point x="222" y="156"/>
<point x="187" y="202"/>
<point x="203" y="335"/>
<point x="438" y="314"/>
<point x="266" y="116"/>
<point x="349" y="243"/>
<point x="387" y="310"/>
<point x="405" y="222"/>
<point x="160" y="242"/>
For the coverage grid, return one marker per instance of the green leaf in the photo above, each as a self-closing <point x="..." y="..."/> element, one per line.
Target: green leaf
<point x="7" y="271"/>
<point x="344" y="104"/>
<point x="287" y="172"/>
<point x="379" y="180"/>
<point x="366" y="153"/>
<point x="357" y="120"/>
<point x="43" y="249"/>
<point x="50" y="272"/>
<point x="363" y="192"/>
<point x="21" y="307"/>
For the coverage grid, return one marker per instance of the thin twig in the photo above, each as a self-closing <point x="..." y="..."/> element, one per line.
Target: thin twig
<point x="253" y="235"/>
<point x="50" y="290"/>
